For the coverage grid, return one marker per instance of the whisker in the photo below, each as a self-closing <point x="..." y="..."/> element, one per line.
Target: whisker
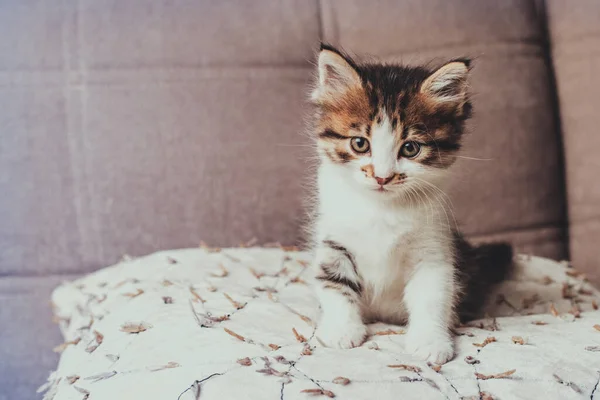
<point x="430" y="207"/>
<point x="415" y="199"/>
<point x="443" y="207"/>
<point x="445" y="198"/>
<point x="473" y="158"/>
<point x="295" y="145"/>
<point x="444" y="194"/>
<point x="410" y="192"/>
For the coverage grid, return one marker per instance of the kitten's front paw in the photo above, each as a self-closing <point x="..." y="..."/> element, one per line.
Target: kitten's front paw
<point x="342" y="336"/>
<point x="437" y="349"/>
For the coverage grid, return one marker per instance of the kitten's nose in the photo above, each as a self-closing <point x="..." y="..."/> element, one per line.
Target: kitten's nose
<point x="384" y="181"/>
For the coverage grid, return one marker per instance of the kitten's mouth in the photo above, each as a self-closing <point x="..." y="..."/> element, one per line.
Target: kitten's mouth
<point x="388" y="188"/>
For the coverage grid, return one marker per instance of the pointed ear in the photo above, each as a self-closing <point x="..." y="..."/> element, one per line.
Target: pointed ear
<point x="448" y="84"/>
<point x="337" y="74"/>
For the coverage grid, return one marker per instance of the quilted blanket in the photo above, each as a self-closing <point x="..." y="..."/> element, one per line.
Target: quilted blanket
<point x="240" y="323"/>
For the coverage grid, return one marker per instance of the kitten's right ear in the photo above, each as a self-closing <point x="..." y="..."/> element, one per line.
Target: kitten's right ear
<point x="448" y="84"/>
<point x="337" y="74"/>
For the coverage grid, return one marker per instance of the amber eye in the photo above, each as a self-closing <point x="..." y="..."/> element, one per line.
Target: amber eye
<point x="360" y="145"/>
<point x="410" y="149"/>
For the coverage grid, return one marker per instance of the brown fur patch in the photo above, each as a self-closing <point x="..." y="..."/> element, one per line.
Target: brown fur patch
<point x="349" y="110"/>
<point x="369" y="170"/>
<point x="344" y="156"/>
<point x="370" y="173"/>
<point x="331" y="155"/>
<point x="347" y="116"/>
<point x="398" y="178"/>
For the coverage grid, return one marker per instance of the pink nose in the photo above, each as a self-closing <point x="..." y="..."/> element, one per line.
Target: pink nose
<point x="384" y="181"/>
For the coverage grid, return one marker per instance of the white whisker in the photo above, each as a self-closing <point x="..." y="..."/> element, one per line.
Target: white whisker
<point x="446" y="199"/>
<point x="473" y="158"/>
<point x="296" y="145"/>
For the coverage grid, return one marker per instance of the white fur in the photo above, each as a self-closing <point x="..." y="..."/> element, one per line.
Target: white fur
<point x="401" y="242"/>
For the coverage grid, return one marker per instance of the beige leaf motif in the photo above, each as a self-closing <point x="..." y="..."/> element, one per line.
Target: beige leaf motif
<point x="406" y="367"/>
<point x="501" y="375"/>
<point x="487" y="341"/>
<point x="135" y="327"/>
<point x="340" y="380"/>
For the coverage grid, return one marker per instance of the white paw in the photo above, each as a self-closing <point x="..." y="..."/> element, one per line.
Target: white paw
<point x="342" y="336"/>
<point x="434" y="348"/>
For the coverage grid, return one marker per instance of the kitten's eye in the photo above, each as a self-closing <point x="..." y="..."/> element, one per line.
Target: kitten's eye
<point x="410" y="149"/>
<point x="360" y="145"/>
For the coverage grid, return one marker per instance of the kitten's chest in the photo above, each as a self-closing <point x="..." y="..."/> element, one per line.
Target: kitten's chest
<point x="379" y="240"/>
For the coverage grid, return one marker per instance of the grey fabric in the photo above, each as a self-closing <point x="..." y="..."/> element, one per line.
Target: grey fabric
<point x="192" y="115"/>
<point x="389" y="27"/>
<point x="576" y="56"/>
<point x="27" y="335"/>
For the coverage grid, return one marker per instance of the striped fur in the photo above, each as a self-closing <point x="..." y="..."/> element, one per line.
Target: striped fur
<point x="332" y="273"/>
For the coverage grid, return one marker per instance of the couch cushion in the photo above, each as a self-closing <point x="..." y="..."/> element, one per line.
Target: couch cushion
<point x="240" y="323"/>
<point x="27" y="335"/>
<point x="576" y="56"/>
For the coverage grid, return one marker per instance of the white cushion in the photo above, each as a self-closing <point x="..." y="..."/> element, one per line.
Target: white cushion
<point x="208" y="314"/>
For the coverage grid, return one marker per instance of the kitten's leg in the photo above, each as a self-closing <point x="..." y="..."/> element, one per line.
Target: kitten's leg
<point x="339" y="291"/>
<point x="429" y="297"/>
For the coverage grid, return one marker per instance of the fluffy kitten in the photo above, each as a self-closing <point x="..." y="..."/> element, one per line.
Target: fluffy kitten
<point x="384" y="247"/>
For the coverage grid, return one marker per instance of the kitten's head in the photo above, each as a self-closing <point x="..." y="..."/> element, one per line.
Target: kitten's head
<point x="389" y="128"/>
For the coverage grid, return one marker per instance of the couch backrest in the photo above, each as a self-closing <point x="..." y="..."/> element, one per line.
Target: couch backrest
<point x="127" y="127"/>
<point x="575" y="38"/>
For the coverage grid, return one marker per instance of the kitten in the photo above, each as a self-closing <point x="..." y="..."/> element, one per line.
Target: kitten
<point x="384" y="247"/>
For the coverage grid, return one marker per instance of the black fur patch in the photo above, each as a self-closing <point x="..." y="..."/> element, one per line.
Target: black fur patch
<point x="328" y="275"/>
<point x="330" y="134"/>
<point x="404" y="133"/>
<point x="478" y="269"/>
<point x="446" y="145"/>
<point x="343" y="156"/>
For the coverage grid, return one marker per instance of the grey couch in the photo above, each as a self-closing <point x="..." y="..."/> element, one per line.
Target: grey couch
<point x="132" y="126"/>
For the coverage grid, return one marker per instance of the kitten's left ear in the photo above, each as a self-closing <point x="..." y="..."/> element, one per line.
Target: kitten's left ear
<point x="337" y="74"/>
<point x="448" y="84"/>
